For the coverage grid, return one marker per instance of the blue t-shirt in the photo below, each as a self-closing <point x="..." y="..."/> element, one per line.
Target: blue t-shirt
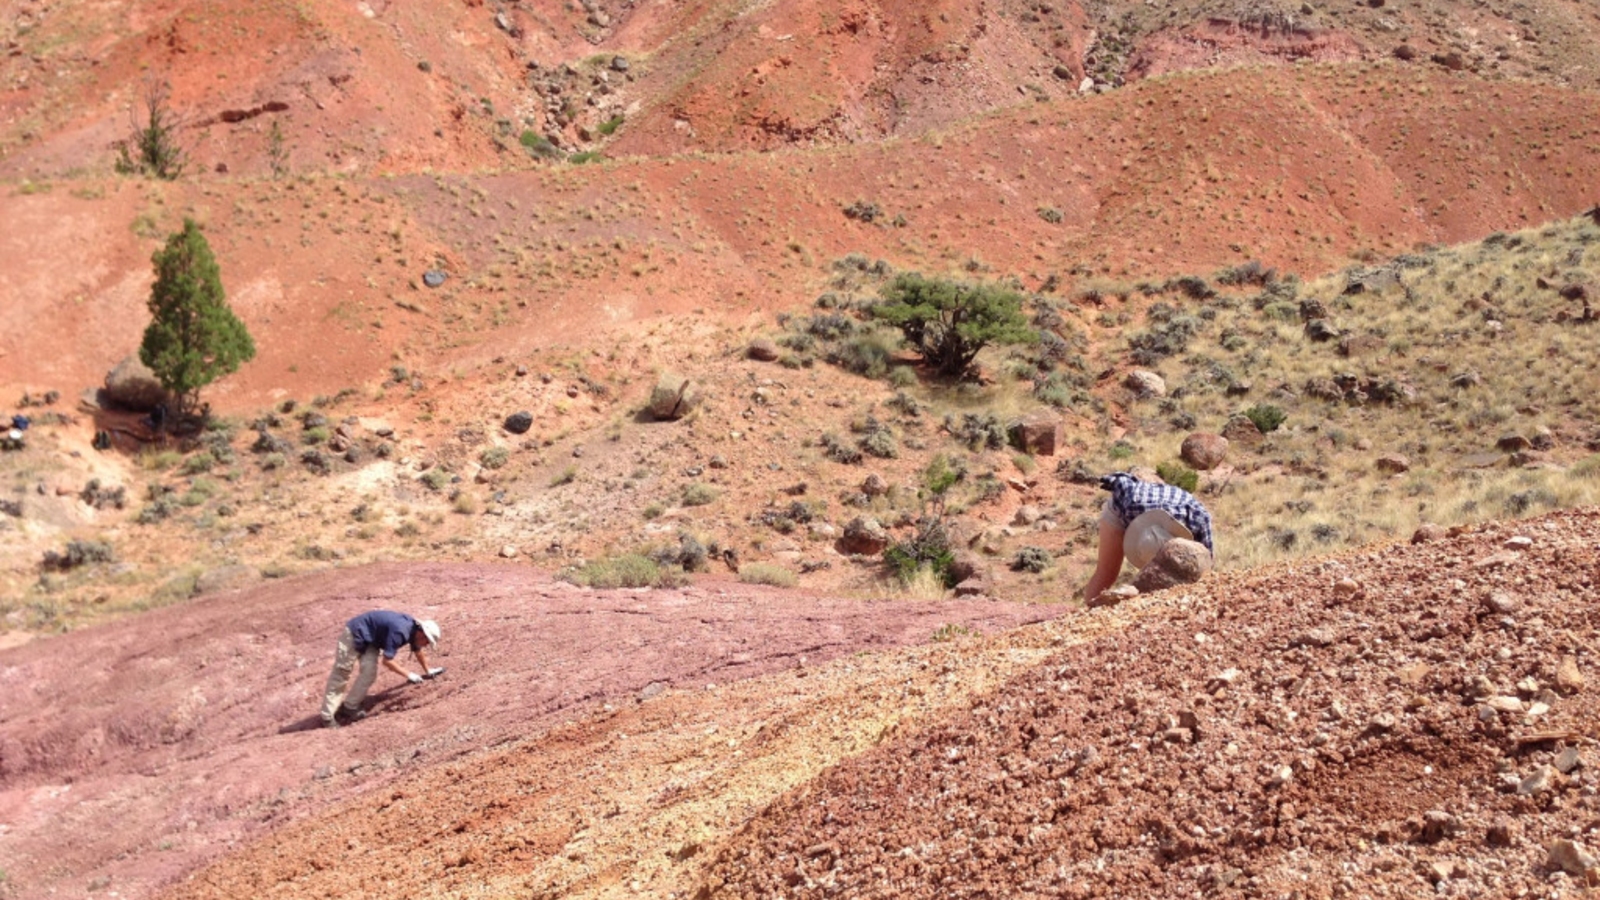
<point x="381" y="628"/>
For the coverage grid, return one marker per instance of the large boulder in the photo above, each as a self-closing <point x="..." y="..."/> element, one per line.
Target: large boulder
<point x="1178" y="562"/>
<point x="131" y="385"/>
<point x="1145" y="384"/>
<point x="762" y="349"/>
<point x="519" y="422"/>
<point x="1240" y="430"/>
<point x="674" y="397"/>
<point x="864" y="536"/>
<point x="1038" y="432"/>
<point x="1203" y="451"/>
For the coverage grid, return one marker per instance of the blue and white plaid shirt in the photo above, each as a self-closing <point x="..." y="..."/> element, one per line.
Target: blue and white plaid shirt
<point x="1130" y="497"/>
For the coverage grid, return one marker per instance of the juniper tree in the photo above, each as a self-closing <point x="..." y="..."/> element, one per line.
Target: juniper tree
<point x="949" y="322"/>
<point x="193" y="337"/>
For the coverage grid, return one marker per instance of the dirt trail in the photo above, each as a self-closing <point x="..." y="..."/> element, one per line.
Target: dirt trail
<point x="161" y="741"/>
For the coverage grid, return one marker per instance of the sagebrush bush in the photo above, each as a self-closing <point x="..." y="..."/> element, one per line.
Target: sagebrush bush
<point x="698" y="494"/>
<point x="630" y="570"/>
<point x="767" y="573"/>
<point x="494" y="457"/>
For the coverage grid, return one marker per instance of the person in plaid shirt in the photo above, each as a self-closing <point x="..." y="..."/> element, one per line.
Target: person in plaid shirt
<point x="1137" y="519"/>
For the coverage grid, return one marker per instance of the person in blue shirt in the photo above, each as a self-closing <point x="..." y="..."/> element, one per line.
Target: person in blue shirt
<point x="1137" y="520"/>
<point x="366" y="638"/>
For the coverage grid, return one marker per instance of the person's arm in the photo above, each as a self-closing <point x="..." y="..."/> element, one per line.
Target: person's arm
<point x="391" y="665"/>
<point x="1109" y="565"/>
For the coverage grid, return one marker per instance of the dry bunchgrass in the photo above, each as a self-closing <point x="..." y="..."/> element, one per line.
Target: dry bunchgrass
<point x="1484" y="350"/>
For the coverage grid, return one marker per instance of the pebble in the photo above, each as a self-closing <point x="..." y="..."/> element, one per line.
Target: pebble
<point x="1505" y="704"/>
<point x="1571" y="858"/>
<point x="1568" y="759"/>
<point x="1538" y="782"/>
<point x="1346" y="588"/>
<point x="1569" y="678"/>
<point x="1500" y="603"/>
<point x="509" y="551"/>
<point x="1280" y="777"/>
<point x="1519" y="543"/>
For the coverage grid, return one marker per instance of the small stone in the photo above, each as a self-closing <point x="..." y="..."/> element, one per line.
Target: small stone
<point x="1439" y="870"/>
<point x="1567" y="760"/>
<point x="1519" y="542"/>
<point x="1427" y="532"/>
<point x="1347" y="588"/>
<point x="434" y="277"/>
<point x="1571" y="858"/>
<point x="1505" y="703"/>
<point x="1316" y="637"/>
<point x="1438" y="825"/>
<point x="1280" y="777"/>
<point x="1539" y="781"/>
<point x="1382" y="723"/>
<point x="1500" y="603"/>
<point x="1113" y="596"/>
<point x="1501" y="833"/>
<point x="509" y="551"/>
<point x="1569" y="678"/>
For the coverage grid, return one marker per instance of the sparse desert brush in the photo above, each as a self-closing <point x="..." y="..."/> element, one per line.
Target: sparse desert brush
<point x="698" y="494"/>
<point x="767" y="573"/>
<point x="631" y="570"/>
<point x="494" y="457"/>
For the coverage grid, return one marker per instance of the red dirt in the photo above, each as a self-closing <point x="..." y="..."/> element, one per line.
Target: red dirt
<point x="163" y="740"/>
<point x="1146" y="763"/>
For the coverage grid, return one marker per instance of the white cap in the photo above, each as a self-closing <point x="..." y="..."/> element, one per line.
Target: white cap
<point x="1148" y="532"/>
<point x="430" y="630"/>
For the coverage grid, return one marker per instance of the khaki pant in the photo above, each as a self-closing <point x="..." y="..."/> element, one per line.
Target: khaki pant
<point x="345" y="659"/>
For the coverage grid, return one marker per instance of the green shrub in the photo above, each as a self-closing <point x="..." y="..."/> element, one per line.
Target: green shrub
<point x="436" y="478"/>
<point x="198" y="464"/>
<point x="566" y="476"/>
<point x="902" y="376"/>
<point x="653" y="511"/>
<point x="1177" y="474"/>
<point x="949" y="322"/>
<point x="586" y="156"/>
<point x="1266" y="417"/>
<point x="631" y="570"/>
<point x="767" y="573"/>
<point x="610" y="126"/>
<point x="929" y="548"/>
<point x="316" y="435"/>
<point x="1050" y="214"/>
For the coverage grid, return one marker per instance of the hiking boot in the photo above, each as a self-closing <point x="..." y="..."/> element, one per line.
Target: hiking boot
<point x="349" y="716"/>
<point x="331" y="723"/>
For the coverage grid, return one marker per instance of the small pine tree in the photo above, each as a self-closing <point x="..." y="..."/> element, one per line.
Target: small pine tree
<point x="153" y="147"/>
<point x="193" y="337"/>
<point x="949" y="322"/>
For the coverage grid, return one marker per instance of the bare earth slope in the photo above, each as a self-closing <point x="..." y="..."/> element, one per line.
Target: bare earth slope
<point x="1301" y="169"/>
<point x="1389" y="720"/>
<point x="160" y="740"/>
